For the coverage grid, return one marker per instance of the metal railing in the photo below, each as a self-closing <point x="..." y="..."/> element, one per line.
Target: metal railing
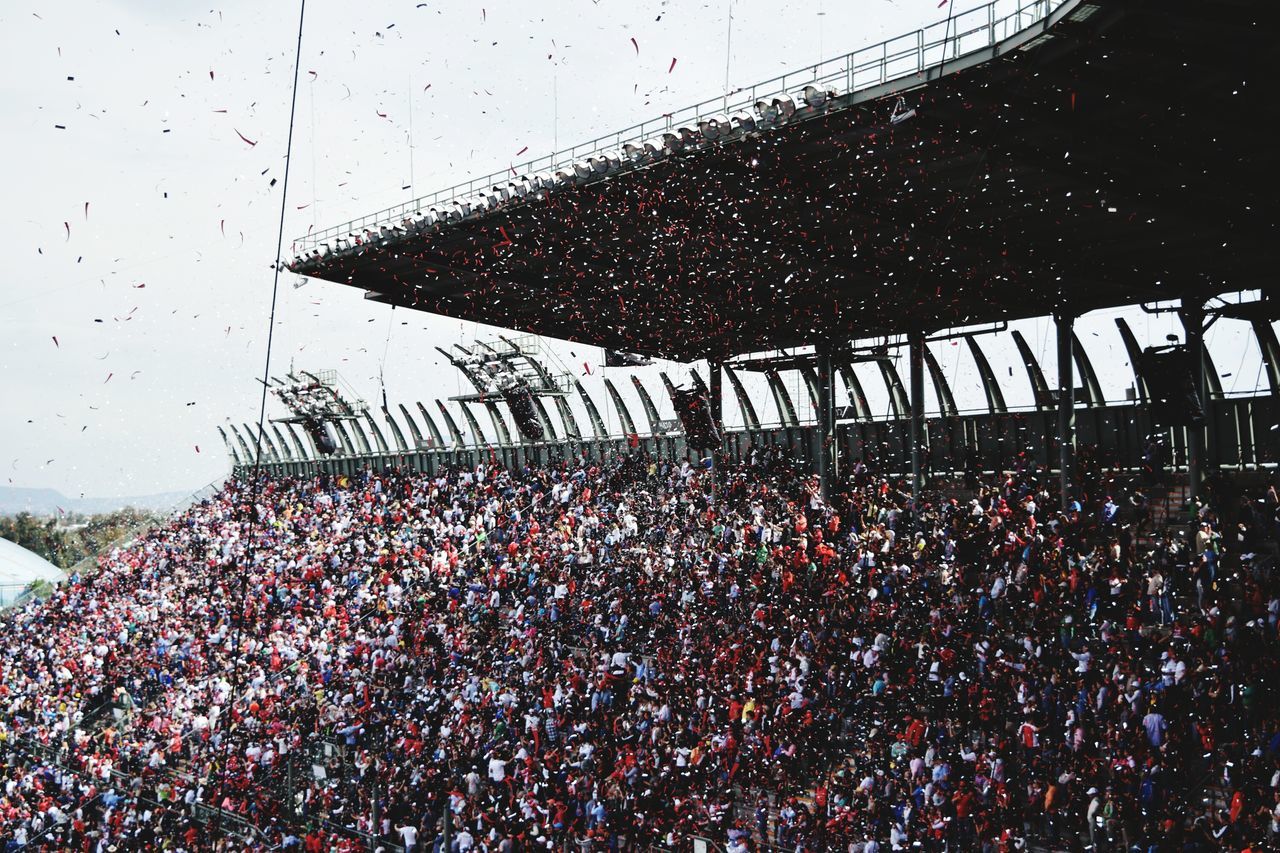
<point x="893" y="60"/>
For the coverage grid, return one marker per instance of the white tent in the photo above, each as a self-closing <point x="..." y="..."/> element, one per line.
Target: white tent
<point x="19" y="567"/>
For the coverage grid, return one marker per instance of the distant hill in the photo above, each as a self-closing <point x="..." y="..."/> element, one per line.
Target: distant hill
<point x="14" y="500"/>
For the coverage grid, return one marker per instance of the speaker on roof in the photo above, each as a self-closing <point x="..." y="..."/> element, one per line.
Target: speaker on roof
<point x="1171" y="380"/>
<point x="700" y="427"/>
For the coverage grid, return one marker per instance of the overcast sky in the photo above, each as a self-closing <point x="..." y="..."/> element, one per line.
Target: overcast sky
<point x="144" y="147"/>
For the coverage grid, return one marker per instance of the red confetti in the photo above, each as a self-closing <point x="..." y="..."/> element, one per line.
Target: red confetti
<point x="108" y="379"/>
<point x="636" y="45"/>
<point x="673" y="65"/>
<point x="245" y="138"/>
<point x="522" y="150"/>
<point x="587" y="368"/>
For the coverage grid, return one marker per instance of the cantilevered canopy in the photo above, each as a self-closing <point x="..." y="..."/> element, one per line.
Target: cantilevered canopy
<point x="1118" y="154"/>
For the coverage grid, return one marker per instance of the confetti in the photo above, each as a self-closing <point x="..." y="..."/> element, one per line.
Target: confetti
<point x="250" y="142"/>
<point x="672" y="66"/>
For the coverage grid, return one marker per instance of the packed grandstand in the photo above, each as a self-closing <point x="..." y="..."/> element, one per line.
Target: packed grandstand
<point x="636" y="654"/>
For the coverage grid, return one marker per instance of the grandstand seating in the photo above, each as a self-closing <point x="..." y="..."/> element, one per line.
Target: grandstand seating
<point x="613" y="655"/>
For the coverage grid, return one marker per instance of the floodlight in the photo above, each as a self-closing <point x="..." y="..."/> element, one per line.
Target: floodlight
<point x="714" y="127"/>
<point x="785" y="107"/>
<point x="813" y="96"/>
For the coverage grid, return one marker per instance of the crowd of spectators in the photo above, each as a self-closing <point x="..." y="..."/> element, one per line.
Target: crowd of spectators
<point x="623" y="654"/>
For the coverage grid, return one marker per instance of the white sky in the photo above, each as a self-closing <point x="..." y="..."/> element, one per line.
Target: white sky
<point x="173" y="253"/>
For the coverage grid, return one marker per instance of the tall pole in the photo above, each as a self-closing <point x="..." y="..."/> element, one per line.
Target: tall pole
<point x="825" y="455"/>
<point x="1066" y="405"/>
<point x="916" y="421"/>
<point x="1193" y="323"/>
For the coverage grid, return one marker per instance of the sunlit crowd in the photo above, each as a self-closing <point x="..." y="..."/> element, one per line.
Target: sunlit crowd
<point x="634" y="654"/>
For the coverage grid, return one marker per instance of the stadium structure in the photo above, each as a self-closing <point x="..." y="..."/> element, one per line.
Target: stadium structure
<point x="1049" y="158"/>
<point x="1021" y="159"/>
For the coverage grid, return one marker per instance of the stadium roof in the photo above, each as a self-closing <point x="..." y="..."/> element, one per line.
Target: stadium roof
<point x="1112" y="152"/>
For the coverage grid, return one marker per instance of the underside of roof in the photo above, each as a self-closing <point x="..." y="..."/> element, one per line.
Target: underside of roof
<point x="1119" y="157"/>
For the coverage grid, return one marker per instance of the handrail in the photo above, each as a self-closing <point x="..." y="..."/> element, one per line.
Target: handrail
<point x="895" y="59"/>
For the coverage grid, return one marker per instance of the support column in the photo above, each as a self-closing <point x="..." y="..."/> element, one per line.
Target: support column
<point x="1192" y="314"/>
<point x="1066" y="405"/>
<point x="716" y="389"/>
<point x="916" y="420"/>
<point x="825" y="434"/>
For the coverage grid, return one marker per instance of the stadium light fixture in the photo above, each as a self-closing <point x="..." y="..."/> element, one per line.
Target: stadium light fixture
<point x="813" y="96"/>
<point x="714" y="127"/>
